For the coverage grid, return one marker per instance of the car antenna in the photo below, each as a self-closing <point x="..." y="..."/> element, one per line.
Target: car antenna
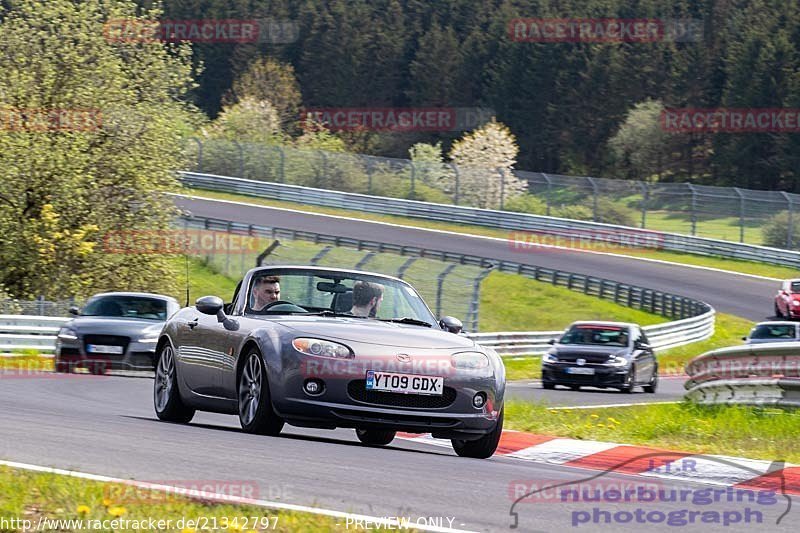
<point x="186" y="255"/>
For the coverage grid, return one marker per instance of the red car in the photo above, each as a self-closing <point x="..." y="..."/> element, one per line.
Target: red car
<point x="787" y="301"/>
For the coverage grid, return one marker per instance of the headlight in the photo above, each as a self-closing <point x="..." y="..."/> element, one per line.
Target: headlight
<point x="148" y="340"/>
<point x="469" y="360"/>
<point x="66" y="334"/>
<point x="549" y="358"/>
<point x="321" y="348"/>
<point x="796" y="303"/>
<point x="616" y="360"/>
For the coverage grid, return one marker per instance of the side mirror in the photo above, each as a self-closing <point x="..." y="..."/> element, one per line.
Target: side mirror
<point x="744" y="339"/>
<point x="639" y="345"/>
<point x="451" y="324"/>
<point x="551" y="342"/>
<point x="74" y="311"/>
<point x="209" y="305"/>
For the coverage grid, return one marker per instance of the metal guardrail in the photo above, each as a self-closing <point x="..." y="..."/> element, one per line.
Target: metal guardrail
<point x="661" y="336"/>
<point x="757" y="374"/>
<point x="26" y="332"/>
<point x="594" y="233"/>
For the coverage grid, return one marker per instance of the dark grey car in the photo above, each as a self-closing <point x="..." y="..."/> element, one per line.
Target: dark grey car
<point x="601" y="354"/>
<point x="114" y="330"/>
<point x="312" y="359"/>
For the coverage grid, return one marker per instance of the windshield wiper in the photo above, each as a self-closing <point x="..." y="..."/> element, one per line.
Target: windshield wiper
<point x="407" y="320"/>
<point x="333" y="313"/>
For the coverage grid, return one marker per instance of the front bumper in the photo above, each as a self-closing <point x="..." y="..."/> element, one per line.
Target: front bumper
<point x="70" y="355"/>
<point x="345" y="402"/>
<point x="604" y="375"/>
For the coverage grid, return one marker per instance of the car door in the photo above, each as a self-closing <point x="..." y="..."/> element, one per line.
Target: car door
<point x="644" y="359"/>
<point x="198" y="364"/>
<point x="783" y="298"/>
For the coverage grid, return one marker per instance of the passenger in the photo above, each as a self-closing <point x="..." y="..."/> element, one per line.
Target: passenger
<point x="266" y="290"/>
<point x="367" y="298"/>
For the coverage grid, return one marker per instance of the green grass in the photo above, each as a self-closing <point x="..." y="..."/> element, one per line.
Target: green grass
<point x="205" y="281"/>
<point x="751" y="432"/>
<point x="728" y="331"/>
<point x="32" y="496"/>
<point x="515" y="303"/>
<point x="746" y="267"/>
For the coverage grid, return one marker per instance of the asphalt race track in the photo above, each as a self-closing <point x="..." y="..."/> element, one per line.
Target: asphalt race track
<point x="669" y="389"/>
<point x="106" y="426"/>
<point x="739" y="295"/>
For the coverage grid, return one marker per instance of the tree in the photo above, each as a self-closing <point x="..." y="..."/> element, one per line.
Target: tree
<point x="96" y="138"/>
<point x="485" y="160"/>
<point x="267" y="79"/>
<point x="641" y="145"/>
<point x="248" y="120"/>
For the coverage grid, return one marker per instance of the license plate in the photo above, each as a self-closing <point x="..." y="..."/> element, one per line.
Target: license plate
<point x="104" y="348"/>
<point x="405" y="383"/>
<point x="582" y="371"/>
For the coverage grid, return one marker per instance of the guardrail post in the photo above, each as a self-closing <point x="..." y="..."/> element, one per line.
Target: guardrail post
<point x="694" y="208"/>
<point x="458" y="178"/>
<point x="40" y="304"/>
<point x="199" y="153"/>
<point x="241" y="158"/>
<point x="411" y="194"/>
<point x="282" y="157"/>
<point x="547" y="194"/>
<point x="789" y="228"/>
<point x="370" y="170"/>
<point x="402" y="270"/>
<point x="741" y="213"/>
<point x="502" y="172"/>
<point x="476" y="298"/>
<point x="594" y="197"/>
<point x="645" y="201"/>
<point x="324" y="168"/>
<point x="439" y="286"/>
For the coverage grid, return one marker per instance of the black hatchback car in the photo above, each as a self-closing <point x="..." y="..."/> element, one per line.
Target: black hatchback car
<point x="601" y="354"/>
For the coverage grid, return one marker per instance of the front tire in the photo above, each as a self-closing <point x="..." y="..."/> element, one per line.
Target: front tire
<point x="653" y="385"/>
<point x="256" y="414"/>
<point x="375" y="437"/>
<point x="484" y="447"/>
<point x="627" y="387"/>
<point x="548" y="385"/>
<point x="778" y="313"/>
<point x="166" y="396"/>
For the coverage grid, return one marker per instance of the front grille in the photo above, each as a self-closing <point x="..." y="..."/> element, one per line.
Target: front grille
<point x="590" y="358"/>
<point x="107" y="340"/>
<point x="357" y="389"/>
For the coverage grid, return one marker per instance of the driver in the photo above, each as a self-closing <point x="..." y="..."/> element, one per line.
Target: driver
<point x="267" y="289"/>
<point x="367" y="298"/>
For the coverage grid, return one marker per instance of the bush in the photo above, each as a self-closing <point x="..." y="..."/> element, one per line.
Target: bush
<point x="526" y="203"/>
<point x="611" y="212"/>
<point x="775" y="231"/>
<point x="574" y="212"/>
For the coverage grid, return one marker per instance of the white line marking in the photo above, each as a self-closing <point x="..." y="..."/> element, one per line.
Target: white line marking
<point x="560" y="451"/>
<point x="455" y="233"/>
<point x="224" y="498"/>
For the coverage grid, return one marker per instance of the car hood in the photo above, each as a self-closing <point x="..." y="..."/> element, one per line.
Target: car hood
<point x="130" y="327"/>
<point x="576" y="350"/>
<point x="378" y="333"/>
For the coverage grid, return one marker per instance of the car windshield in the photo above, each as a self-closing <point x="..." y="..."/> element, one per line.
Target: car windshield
<point x="592" y="334"/>
<point x="301" y="291"/>
<point x="127" y="307"/>
<point x="774" y="331"/>
<point x="795" y="287"/>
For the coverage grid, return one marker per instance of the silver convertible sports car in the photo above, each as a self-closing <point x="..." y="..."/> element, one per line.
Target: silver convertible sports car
<point x="327" y="348"/>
